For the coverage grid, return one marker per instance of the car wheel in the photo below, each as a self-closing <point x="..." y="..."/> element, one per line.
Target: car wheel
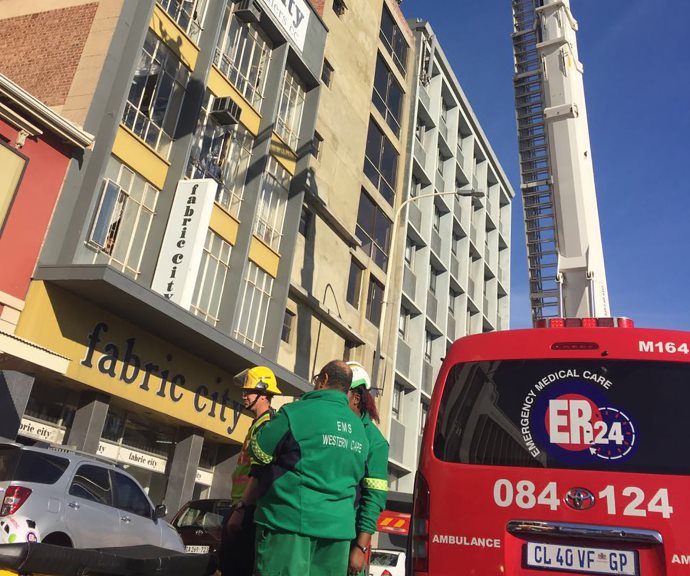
<point x="58" y="539"/>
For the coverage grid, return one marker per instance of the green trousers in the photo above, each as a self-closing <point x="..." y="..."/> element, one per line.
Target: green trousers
<point x="285" y="554"/>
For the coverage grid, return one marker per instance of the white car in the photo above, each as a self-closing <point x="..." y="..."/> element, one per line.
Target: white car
<point x="387" y="563"/>
<point x="59" y="496"/>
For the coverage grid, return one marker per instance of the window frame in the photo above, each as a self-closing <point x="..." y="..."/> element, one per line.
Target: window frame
<point x="293" y="94"/>
<point x="288" y="325"/>
<point x="368" y="233"/>
<point x="207" y="304"/>
<point x="353" y="295"/>
<point x="91" y="466"/>
<point x="374" y="305"/>
<point x="382" y="102"/>
<point x="379" y="149"/>
<point x="396" y="45"/>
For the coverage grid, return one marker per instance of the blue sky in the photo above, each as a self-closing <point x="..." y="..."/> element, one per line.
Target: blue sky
<point x="637" y="83"/>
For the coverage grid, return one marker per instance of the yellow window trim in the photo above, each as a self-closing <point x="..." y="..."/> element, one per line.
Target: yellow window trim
<point x="221" y="87"/>
<point x="264" y="256"/>
<point x="284" y="155"/>
<point x="139" y="156"/>
<point x="224" y="224"/>
<point x="174" y="38"/>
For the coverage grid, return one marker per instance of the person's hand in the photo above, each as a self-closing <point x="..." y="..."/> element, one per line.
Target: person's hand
<point x="356" y="563"/>
<point x="234" y="523"/>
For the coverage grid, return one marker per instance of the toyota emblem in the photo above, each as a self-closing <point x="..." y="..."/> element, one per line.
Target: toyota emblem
<point x="198" y="532"/>
<point x="579" y="499"/>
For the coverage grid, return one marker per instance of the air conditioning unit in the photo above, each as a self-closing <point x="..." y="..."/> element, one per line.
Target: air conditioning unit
<point x="226" y="111"/>
<point x="247" y="11"/>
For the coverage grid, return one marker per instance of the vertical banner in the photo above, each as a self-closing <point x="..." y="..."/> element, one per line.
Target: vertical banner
<point x="183" y="243"/>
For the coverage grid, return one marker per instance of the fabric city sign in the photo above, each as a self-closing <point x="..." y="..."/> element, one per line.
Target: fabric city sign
<point x="125" y="368"/>
<point x="293" y="16"/>
<point x="183" y="243"/>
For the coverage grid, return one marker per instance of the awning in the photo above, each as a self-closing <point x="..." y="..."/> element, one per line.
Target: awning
<point x="393" y="522"/>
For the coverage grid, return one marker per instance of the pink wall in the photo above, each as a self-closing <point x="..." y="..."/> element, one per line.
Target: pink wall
<point x="34" y="201"/>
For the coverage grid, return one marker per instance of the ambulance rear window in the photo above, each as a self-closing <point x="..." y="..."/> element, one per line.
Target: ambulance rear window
<point x="612" y="415"/>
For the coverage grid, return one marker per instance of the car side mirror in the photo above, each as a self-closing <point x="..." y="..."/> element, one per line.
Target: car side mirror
<point x="160" y="511"/>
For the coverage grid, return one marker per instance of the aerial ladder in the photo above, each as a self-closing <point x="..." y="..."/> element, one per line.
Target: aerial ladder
<point x="564" y="250"/>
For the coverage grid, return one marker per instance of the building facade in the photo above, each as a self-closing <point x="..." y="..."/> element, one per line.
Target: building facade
<point x="452" y="253"/>
<point x="167" y="263"/>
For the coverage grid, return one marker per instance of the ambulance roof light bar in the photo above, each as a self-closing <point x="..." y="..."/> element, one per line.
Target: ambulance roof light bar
<point x="616" y="322"/>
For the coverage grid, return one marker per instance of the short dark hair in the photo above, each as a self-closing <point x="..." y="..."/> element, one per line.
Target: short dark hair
<point x="339" y="375"/>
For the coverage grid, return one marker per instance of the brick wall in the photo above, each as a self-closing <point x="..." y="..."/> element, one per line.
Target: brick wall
<point x="41" y="51"/>
<point x="318" y="6"/>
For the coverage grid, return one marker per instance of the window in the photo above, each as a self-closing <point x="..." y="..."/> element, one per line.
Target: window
<point x="433" y="278"/>
<point x="20" y="465"/>
<point x="381" y="162"/>
<point x="129" y="497"/>
<point x="428" y="345"/>
<point x="339" y="7"/>
<point x="420" y="130"/>
<point x="156" y="94"/>
<point x="443" y="123"/>
<point x="222" y="153"/>
<point x="436" y="222"/>
<point x="288" y="323"/>
<point x="350" y="350"/>
<point x="256" y="297"/>
<point x="210" y="282"/>
<point x="290" y="108"/>
<point x="123" y="218"/>
<point x="354" y="283"/>
<point x="92" y="483"/>
<point x="455" y="244"/>
<point x="242" y="54"/>
<point x="11" y="169"/>
<point x="189" y="15"/>
<point x="452" y="296"/>
<point x="272" y="202"/>
<point x="327" y="73"/>
<point x="305" y="220"/>
<point x="374" y="301"/>
<point x="373" y="230"/>
<point x="393" y="39"/>
<point x="422" y="419"/>
<point x="410" y="250"/>
<point x="398" y="395"/>
<point x="317" y="145"/>
<point x="388" y="95"/>
<point x="440" y="163"/>
<point x="402" y="323"/>
<point x="416" y="187"/>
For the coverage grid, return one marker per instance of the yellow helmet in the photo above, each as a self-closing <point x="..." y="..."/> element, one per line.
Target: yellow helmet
<point x="260" y="378"/>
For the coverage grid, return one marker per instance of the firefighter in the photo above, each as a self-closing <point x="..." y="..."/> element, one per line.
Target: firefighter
<point x="237" y="542"/>
<point x="375" y="483"/>
<point x="317" y="450"/>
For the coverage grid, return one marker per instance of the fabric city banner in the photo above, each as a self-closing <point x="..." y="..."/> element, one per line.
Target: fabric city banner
<point x="123" y="360"/>
<point x="183" y="243"/>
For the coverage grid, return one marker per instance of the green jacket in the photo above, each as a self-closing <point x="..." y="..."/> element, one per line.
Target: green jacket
<point x="317" y="448"/>
<point x="375" y="483"/>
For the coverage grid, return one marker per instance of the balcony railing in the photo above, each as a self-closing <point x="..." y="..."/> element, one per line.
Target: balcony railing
<point x="470" y="288"/>
<point x="440" y="183"/>
<point x="402" y="358"/>
<point x="409" y="283"/>
<point x="436" y="242"/>
<point x="419" y="152"/>
<point x="397" y="441"/>
<point x="451" y="327"/>
<point x="455" y="267"/>
<point x="432" y="307"/>
<point x="415" y="215"/>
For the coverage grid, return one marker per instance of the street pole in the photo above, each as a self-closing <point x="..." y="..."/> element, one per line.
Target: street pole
<point x="389" y="273"/>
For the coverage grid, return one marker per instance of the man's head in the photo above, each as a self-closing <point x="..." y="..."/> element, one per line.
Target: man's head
<point x="259" y="385"/>
<point x="336" y="375"/>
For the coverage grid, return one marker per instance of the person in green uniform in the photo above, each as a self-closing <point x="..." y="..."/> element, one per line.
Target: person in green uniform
<point x="375" y="485"/>
<point x="317" y="450"/>
<point x="236" y="553"/>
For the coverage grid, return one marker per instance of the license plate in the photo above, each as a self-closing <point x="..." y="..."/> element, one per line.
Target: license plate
<point x="196" y="549"/>
<point x="580" y="559"/>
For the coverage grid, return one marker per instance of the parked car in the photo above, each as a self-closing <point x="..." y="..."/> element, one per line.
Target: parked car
<point x="200" y="523"/>
<point x="55" y="495"/>
<point x="387" y="562"/>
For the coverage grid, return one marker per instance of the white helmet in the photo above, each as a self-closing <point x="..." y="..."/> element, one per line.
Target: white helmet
<point x="360" y="377"/>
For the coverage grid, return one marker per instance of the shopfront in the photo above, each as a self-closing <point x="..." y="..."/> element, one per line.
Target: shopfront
<point x="142" y="396"/>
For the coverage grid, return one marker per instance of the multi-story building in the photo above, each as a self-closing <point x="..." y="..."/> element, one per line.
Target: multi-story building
<point x="342" y="261"/>
<point x="452" y="259"/>
<point x="166" y="267"/>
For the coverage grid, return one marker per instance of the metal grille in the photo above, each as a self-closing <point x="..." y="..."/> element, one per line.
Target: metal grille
<point x="535" y="164"/>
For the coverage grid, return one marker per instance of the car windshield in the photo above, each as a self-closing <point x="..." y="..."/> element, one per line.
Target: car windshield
<point x="607" y="415"/>
<point x="204" y="514"/>
<point x="383" y="558"/>
<point x="30" y="466"/>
